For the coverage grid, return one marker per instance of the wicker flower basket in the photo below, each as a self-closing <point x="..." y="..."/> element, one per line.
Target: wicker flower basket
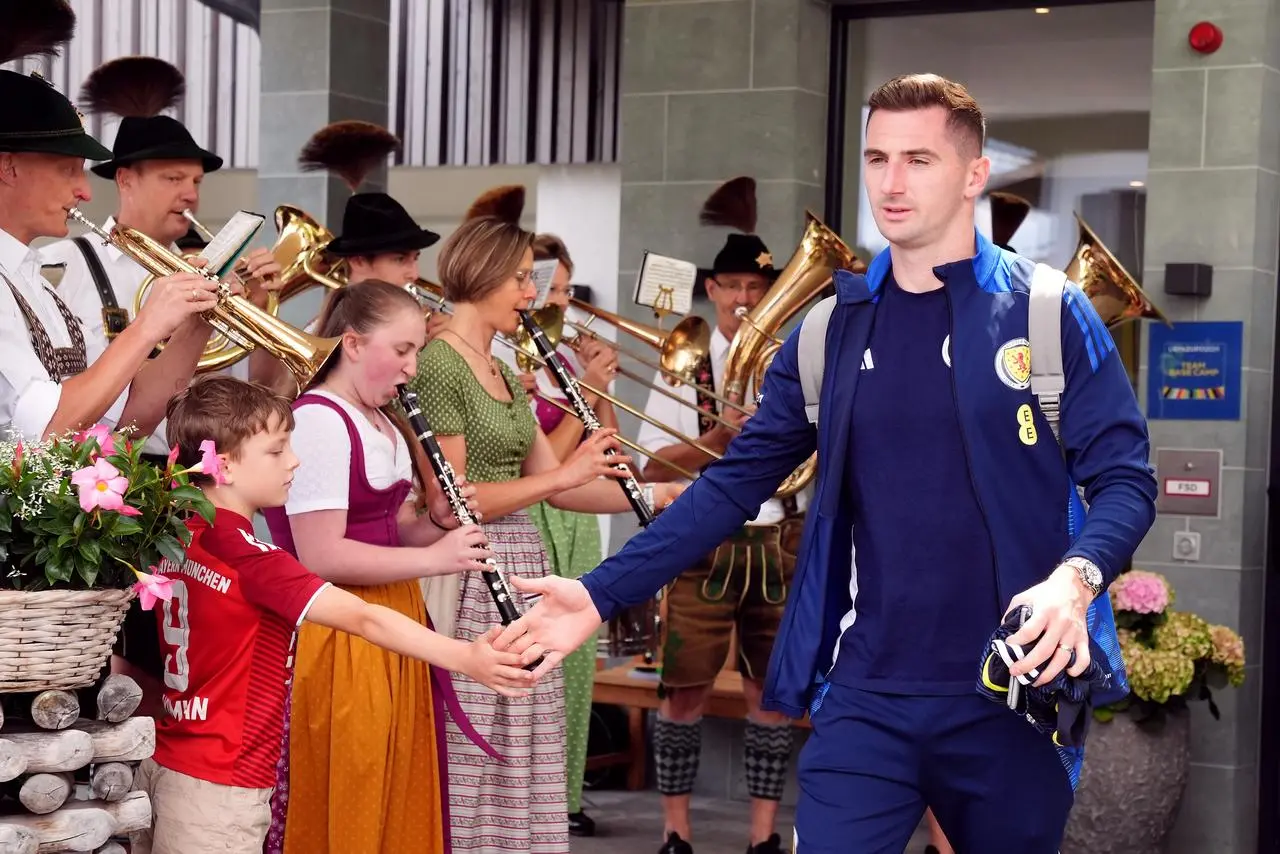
<point x="57" y="639"/>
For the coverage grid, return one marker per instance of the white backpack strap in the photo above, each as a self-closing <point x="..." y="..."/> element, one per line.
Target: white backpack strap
<point x="812" y="354"/>
<point x="1044" y="325"/>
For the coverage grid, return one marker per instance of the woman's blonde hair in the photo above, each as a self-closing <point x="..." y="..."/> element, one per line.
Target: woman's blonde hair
<point x="477" y="258"/>
<point x="549" y="246"/>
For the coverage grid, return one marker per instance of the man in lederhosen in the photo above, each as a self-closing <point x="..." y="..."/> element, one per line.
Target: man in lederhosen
<point x="158" y="169"/>
<point x="53" y="376"/>
<point x="742" y="585"/>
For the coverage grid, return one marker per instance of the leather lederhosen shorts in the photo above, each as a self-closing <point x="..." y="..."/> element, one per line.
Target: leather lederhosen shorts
<point x="742" y="585"/>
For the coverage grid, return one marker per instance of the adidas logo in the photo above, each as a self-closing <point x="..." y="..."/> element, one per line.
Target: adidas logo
<point x="867" y="362"/>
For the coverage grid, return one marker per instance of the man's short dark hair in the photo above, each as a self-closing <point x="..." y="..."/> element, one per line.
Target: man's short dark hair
<point x="923" y="91"/>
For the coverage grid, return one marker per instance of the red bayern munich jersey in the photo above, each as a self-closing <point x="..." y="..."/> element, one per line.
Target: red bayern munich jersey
<point x="226" y="637"/>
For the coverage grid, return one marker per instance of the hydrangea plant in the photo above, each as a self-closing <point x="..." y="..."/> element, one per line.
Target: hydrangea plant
<point x="1170" y="656"/>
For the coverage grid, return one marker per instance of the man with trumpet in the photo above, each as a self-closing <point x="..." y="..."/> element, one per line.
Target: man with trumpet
<point x="742" y="584"/>
<point x="55" y="376"/>
<point x="157" y="168"/>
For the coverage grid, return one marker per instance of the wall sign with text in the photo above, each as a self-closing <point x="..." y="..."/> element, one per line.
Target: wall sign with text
<point x="1195" y="371"/>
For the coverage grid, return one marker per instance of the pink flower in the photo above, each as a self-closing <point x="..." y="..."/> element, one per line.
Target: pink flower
<point x="101" y="434"/>
<point x="173" y="458"/>
<point x="1140" y="592"/>
<point x="102" y="486"/>
<point x="209" y="463"/>
<point x="151" y="587"/>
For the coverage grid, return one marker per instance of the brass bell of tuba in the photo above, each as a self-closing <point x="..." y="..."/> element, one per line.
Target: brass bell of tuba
<point x="235" y="317"/>
<point x="1115" y="294"/>
<point x="820" y="253"/>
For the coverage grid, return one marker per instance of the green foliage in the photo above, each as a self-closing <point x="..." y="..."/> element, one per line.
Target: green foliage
<point x="47" y="539"/>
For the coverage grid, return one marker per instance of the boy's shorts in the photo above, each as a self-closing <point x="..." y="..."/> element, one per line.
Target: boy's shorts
<point x="189" y="815"/>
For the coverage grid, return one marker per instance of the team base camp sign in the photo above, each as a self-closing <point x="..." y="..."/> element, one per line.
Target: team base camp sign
<point x="1195" y="371"/>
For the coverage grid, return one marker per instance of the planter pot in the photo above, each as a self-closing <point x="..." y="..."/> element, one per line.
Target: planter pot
<point x="1130" y="788"/>
<point x="57" y="639"/>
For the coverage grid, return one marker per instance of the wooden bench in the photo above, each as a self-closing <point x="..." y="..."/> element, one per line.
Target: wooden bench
<point x="637" y="692"/>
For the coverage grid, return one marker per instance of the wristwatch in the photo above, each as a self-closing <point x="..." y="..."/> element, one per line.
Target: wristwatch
<point x="1087" y="571"/>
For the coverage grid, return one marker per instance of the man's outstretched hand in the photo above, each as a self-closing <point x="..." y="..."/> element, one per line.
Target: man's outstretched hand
<point x="560" y="622"/>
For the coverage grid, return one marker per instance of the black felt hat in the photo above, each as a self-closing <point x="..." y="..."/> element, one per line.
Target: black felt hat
<point x="733" y="204"/>
<point x="35" y="116"/>
<point x="139" y="89"/>
<point x="374" y="223"/>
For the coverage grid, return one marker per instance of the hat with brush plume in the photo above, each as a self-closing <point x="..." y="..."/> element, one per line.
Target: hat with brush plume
<point x="36" y="117"/>
<point x="372" y="223"/>
<point x="733" y="205"/>
<point x="139" y="89"/>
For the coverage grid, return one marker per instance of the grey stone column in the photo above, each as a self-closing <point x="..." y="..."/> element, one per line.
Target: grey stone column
<point x="1214" y="185"/>
<point x="714" y="89"/>
<point x="322" y="61"/>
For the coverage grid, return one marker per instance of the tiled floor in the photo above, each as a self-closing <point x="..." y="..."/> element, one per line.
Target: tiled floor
<point x="631" y="823"/>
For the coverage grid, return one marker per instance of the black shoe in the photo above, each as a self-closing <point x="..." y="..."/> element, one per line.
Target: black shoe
<point x="675" y="845"/>
<point x="772" y="845"/>
<point x="581" y="825"/>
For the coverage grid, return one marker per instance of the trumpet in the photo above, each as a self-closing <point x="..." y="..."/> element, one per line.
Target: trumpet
<point x="235" y="317"/>
<point x="205" y="234"/>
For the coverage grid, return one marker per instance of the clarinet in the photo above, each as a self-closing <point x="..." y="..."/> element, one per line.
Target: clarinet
<point x="449" y="483"/>
<point x="568" y="385"/>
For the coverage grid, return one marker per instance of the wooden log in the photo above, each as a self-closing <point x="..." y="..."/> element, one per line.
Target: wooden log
<point x="44" y="793"/>
<point x="111" y="848"/>
<point x="118" y="698"/>
<point x="81" y="826"/>
<point x="13" y="761"/>
<point x="55" y="709"/>
<point x="131" y="740"/>
<point x="111" y="781"/>
<point x="73" y="828"/>
<point x="132" y="812"/>
<point x="17" y="840"/>
<point x="64" y="750"/>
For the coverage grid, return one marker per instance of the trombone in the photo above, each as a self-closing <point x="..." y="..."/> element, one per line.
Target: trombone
<point x="435" y="302"/>
<point x="235" y="317"/>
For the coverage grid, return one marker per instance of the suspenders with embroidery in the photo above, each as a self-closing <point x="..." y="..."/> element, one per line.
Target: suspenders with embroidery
<point x="60" y="362"/>
<point x="114" y="318"/>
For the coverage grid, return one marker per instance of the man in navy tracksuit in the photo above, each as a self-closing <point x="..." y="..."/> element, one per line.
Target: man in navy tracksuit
<point x="939" y="476"/>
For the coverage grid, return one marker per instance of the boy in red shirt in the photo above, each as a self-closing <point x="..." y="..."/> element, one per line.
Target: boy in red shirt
<point x="228" y="629"/>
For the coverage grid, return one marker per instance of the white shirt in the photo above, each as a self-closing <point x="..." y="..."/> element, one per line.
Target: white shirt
<point x="28" y="395"/>
<point x="80" y="294"/>
<point x="685" y="419"/>
<point x="323" y="446"/>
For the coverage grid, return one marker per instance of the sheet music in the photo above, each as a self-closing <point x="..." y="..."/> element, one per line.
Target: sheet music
<point x="543" y="271"/>
<point x="666" y="284"/>
<point x="229" y="243"/>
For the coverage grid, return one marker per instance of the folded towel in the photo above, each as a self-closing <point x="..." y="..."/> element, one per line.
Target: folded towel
<point x="1060" y="708"/>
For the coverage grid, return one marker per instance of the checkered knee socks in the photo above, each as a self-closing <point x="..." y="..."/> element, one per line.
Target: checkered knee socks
<point x="677" y="748"/>
<point x="768" y="755"/>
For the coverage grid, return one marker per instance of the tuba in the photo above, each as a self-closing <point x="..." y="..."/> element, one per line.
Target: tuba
<point x="821" y="252"/>
<point x="234" y="317"/>
<point x="1115" y="294"/>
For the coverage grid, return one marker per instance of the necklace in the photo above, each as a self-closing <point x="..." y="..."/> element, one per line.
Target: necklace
<point x="493" y="369"/>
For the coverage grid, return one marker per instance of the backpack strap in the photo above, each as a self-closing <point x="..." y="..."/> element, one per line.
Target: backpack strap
<point x="812" y="354"/>
<point x="1044" y="331"/>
